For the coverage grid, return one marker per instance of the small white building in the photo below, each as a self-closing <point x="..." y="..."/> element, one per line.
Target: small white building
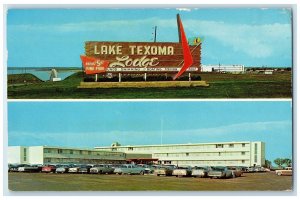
<point x="235" y="69"/>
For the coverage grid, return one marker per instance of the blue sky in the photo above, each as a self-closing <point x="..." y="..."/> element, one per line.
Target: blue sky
<point x="81" y="124"/>
<point x="55" y="37"/>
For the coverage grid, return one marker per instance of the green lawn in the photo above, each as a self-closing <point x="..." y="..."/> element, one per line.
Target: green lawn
<point x="221" y="86"/>
<point x="92" y="182"/>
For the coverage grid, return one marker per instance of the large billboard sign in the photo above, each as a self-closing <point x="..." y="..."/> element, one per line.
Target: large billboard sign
<point x="143" y="57"/>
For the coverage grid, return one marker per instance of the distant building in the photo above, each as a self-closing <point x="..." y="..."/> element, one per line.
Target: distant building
<point x="269" y="71"/>
<point x="235" y="69"/>
<point x="210" y="154"/>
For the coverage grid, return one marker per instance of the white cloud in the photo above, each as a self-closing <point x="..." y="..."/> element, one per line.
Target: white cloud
<point x="184" y="9"/>
<point x="257" y="41"/>
<point x="242" y="127"/>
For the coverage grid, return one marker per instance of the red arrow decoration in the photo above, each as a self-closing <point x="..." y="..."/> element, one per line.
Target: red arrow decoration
<point x="187" y="55"/>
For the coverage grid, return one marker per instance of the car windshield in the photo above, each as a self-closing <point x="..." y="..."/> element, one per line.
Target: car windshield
<point x="169" y="166"/>
<point x="201" y="168"/>
<point x="182" y="167"/>
<point x="218" y="168"/>
<point x="232" y="168"/>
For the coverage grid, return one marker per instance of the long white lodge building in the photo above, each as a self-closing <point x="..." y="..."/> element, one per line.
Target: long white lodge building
<point x="242" y="153"/>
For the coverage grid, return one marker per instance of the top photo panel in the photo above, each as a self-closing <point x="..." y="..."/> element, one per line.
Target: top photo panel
<point x="149" y="53"/>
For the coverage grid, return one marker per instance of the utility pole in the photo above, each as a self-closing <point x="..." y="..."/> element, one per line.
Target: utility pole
<point x="161" y="130"/>
<point x="178" y="25"/>
<point x="155" y="28"/>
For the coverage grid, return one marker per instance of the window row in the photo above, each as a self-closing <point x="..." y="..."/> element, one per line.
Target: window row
<point x="201" y="154"/>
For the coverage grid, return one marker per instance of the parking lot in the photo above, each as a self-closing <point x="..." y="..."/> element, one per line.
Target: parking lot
<point x="267" y="181"/>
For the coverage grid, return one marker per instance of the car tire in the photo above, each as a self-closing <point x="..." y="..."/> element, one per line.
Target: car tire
<point x="279" y="173"/>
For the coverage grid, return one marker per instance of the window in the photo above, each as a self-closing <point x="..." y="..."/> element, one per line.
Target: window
<point x="89" y="152"/>
<point x="255" y="152"/>
<point x="80" y="152"/>
<point x="243" y="161"/>
<point x="243" y="144"/>
<point x="219" y="153"/>
<point x="25" y="154"/>
<point x="47" y="151"/>
<point x="219" y="145"/>
<point x="130" y="148"/>
<point x="71" y="151"/>
<point x="59" y="151"/>
<point x="187" y="154"/>
<point x="231" y="145"/>
<point x="243" y="153"/>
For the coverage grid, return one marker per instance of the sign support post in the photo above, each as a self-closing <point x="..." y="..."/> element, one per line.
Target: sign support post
<point x="120" y="78"/>
<point x="145" y="77"/>
<point x="190" y="77"/>
<point x="96" y="77"/>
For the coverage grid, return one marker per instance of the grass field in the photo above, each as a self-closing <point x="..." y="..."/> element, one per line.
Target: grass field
<point x="89" y="182"/>
<point x="220" y="86"/>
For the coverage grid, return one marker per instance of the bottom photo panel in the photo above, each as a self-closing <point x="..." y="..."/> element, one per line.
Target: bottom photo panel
<point x="150" y="146"/>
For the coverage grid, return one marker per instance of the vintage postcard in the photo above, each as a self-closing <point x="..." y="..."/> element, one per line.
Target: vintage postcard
<point x="162" y="53"/>
<point x="150" y="99"/>
<point x="150" y="146"/>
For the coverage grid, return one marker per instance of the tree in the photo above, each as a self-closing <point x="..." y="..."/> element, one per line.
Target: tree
<point x="268" y="164"/>
<point x="283" y="161"/>
<point x="287" y="162"/>
<point x="279" y="162"/>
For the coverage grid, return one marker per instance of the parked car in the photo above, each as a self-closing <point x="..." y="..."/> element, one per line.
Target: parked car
<point x="219" y="172"/>
<point x="244" y="169"/>
<point x="259" y="169"/>
<point x="250" y="169"/>
<point x="182" y="171"/>
<point x="201" y="171"/>
<point x="30" y="168"/>
<point x="62" y="168"/>
<point x="15" y="167"/>
<point x="48" y="168"/>
<point x="148" y="169"/>
<point x="236" y="171"/>
<point x="288" y="171"/>
<point x="102" y="169"/>
<point x="74" y="169"/>
<point x="129" y="169"/>
<point x="85" y="169"/>
<point x="164" y="170"/>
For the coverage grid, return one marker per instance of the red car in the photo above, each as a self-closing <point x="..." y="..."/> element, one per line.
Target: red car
<point x="49" y="168"/>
